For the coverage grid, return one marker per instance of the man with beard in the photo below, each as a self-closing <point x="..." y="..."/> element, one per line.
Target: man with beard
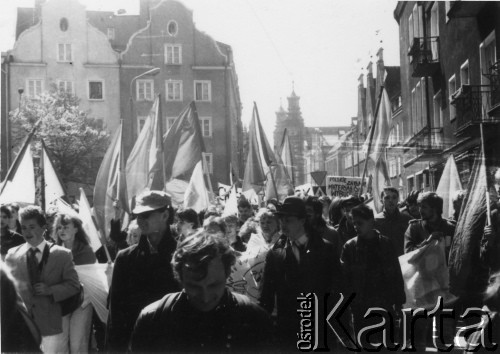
<point x="390" y="222"/>
<point x="431" y="226"/>
<point x="420" y="232"/>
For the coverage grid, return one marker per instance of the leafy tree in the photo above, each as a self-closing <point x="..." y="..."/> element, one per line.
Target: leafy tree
<point x="76" y="141"/>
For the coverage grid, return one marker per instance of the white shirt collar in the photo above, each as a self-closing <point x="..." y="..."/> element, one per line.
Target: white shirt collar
<point x="40" y="247"/>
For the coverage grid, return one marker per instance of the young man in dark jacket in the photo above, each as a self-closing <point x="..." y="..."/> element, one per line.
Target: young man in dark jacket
<point x="299" y="263"/>
<point x="391" y="222"/>
<point x="205" y="316"/>
<point x="371" y="269"/>
<point x="142" y="273"/>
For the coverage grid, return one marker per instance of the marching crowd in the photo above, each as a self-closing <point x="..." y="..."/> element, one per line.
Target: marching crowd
<point x="173" y="281"/>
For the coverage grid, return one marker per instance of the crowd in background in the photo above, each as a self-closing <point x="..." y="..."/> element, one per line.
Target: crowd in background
<point x="170" y="261"/>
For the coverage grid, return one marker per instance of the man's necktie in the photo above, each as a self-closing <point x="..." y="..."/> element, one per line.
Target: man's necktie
<point x="33" y="270"/>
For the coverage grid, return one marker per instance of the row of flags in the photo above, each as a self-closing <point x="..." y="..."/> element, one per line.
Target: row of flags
<point x="172" y="162"/>
<point x="19" y="184"/>
<point x="266" y="171"/>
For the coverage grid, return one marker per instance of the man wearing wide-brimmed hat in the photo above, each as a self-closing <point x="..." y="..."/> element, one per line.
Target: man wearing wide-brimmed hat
<point x="142" y="273"/>
<point x="299" y="263"/>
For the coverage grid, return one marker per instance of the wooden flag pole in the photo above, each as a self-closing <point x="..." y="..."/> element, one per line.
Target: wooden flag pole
<point x="372" y="132"/>
<point x="488" y="207"/>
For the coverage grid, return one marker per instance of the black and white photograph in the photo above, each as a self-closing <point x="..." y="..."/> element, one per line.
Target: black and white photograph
<point x="205" y="176"/>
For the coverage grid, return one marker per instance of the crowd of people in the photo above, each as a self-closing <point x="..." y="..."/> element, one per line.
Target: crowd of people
<point x="208" y="281"/>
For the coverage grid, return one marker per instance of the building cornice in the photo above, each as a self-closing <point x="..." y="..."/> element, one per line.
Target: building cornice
<point x="96" y="65"/>
<point x="398" y="11"/>
<point x="197" y="67"/>
<point x="28" y="64"/>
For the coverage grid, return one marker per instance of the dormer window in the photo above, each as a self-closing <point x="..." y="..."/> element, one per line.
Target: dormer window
<point x="172" y="28"/>
<point x="63" y="24"/>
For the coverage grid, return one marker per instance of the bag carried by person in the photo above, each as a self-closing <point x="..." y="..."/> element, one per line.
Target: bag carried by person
<point x="72" y="303"/>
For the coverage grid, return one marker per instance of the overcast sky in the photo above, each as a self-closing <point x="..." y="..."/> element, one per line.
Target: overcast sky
<point x="321" y="45"/>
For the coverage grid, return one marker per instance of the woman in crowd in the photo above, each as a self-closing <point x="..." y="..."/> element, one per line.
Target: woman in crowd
<point x="133" y="233"/>
<point x="69" y="233"/>
<point x="187" y="223"/>
<point x="267" y="232"/>
<point x="234" y="240"/>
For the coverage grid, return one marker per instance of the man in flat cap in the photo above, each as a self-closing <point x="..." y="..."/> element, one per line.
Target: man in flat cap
<point x="300" y="263"/>
<point x="142" y="273"/>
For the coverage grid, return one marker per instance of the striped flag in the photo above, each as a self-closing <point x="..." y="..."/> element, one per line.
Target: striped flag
<point x="144" y="164"/>
<point x="183" y="160"/>
<point x="19" y="184"/>
<point x="53" y="188"/>
<point x="260" y="156"/>
<point x="110" y="184"/>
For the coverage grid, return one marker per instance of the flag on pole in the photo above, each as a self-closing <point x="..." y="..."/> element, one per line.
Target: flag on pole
<point x="53" y="186"/>
<point x="183" y="152"/>
<point x="282" y="182"/>
<point x="196" y="195"/>
<point x="285" y="153"/>
<point x="380" y="180"/>
<point x="144" y="164"/>
<point x="110" y="185"/>
<point x="231" y="207"/>
<point x="448" y="185"/>
<point x="85" y="214"/>
<point x="260" y="156"/>
<point x="464" y="252"/>
<point x="381" y="129"/>
<point x="19" y="184"/>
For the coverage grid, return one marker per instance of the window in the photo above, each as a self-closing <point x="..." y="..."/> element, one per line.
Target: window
<point x="170" y="122"/>
<point x="413" y="112"/>
<point x="141" y="120"/>
<point x="399" y="166"/>
<point x="96" y="91"/>
<point x="111" y="33"/>
<point x="202" y="90"/>
<point x="452" y="87"/>
<point x="437" y="111"/>
<point x="411" y="183"/>
<point x="418" y="29"/>
<point x="66" y="86"/>
<point x="447" y="7"/>
<point x="145" y="89"/>
<point x="392" y="168"/>
<point x="34" y="88"/>
<point x="63" y="24"/>
<point x="173" y="54"/>
<point x="410" y="30"/>
<point x="464" y="73"/>
<point x="172" y="27"/>
<point x="397" y="134"/>
<point x="174" y="90"/>
<point x="64" y="52"/>
<point x="206" y="126"/>
<point x="488" y="57"/>
<point x="348" y="161"/>
<point x="208" y="162"/>
<point x="423" y="105"/>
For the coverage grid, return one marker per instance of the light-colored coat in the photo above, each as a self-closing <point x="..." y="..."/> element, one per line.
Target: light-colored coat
<point x="58" y="273"/>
